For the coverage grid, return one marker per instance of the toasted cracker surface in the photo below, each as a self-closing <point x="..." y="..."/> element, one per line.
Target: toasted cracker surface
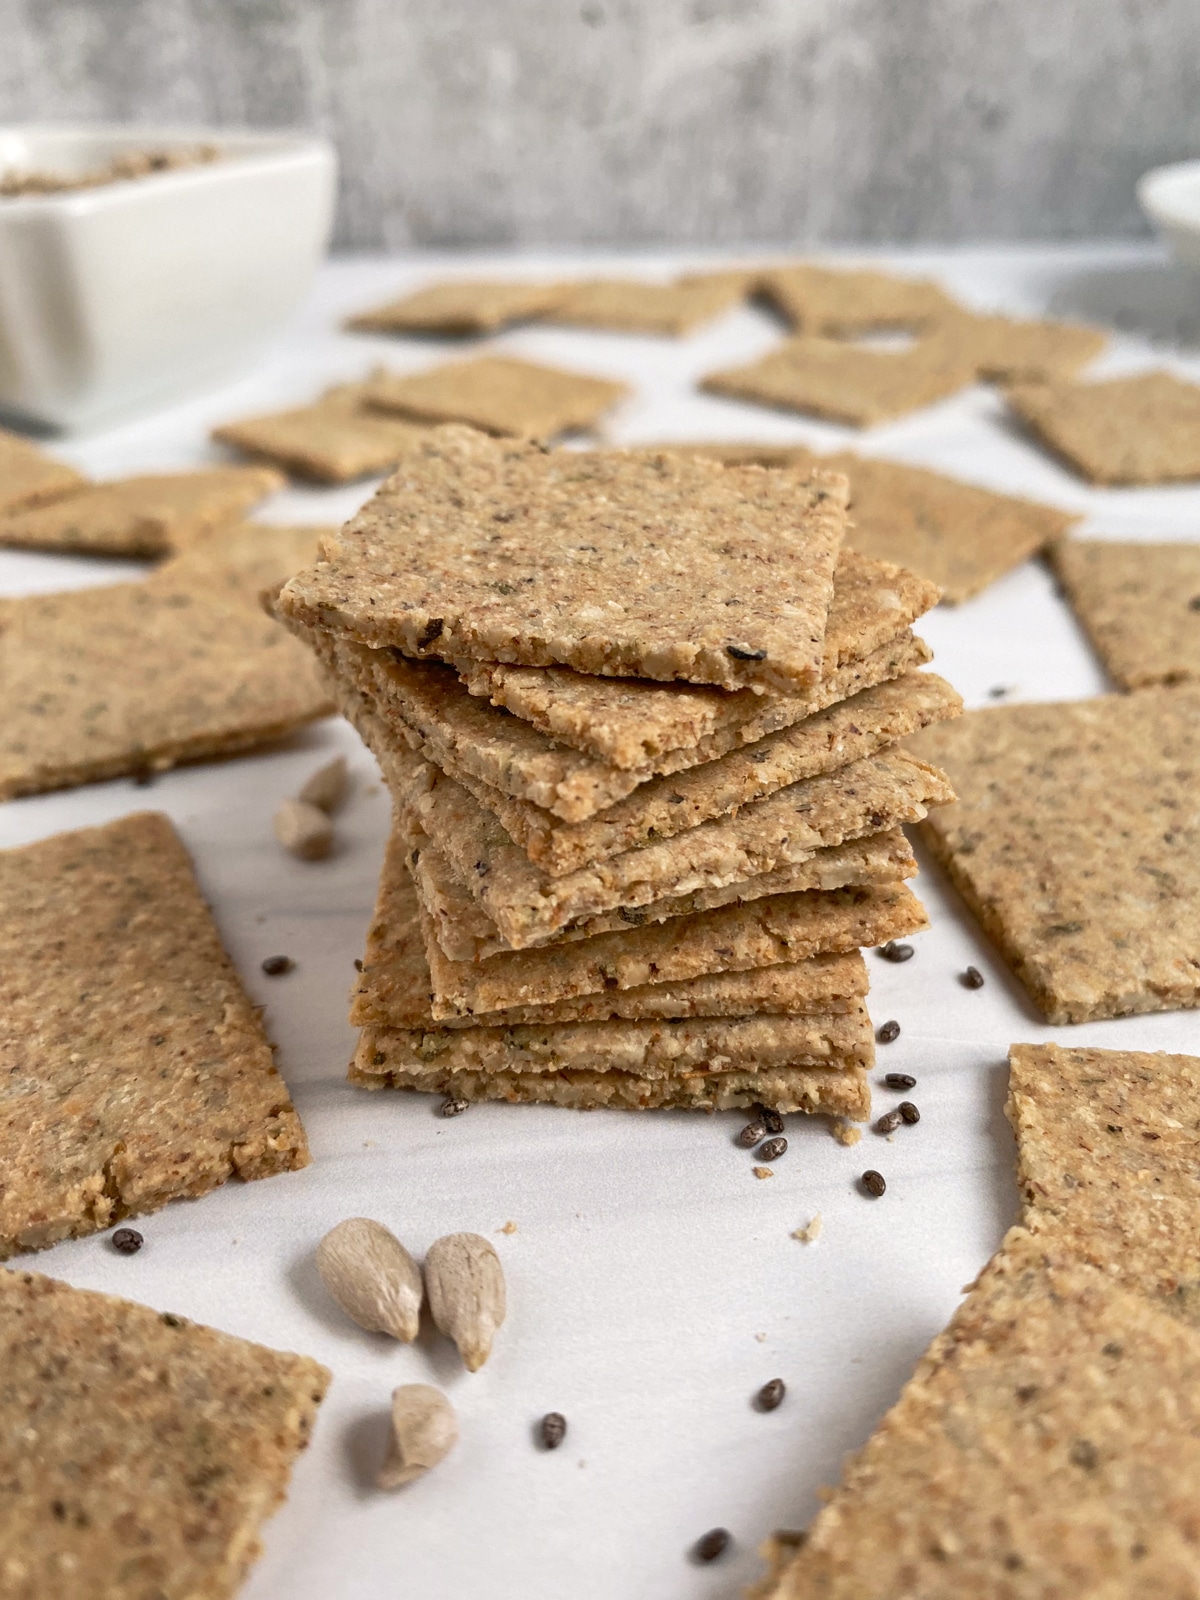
<point x="1048" y="1444"/>
<point x="337" y="438"/>
<point x="142" y="676"/>
<point x="1139" y="604"/>
<point x="623" y="305"/>
<point x="140" y="1453"/>
<point x="849" y="382"/>
<point x="1018" y="349"/>
<point x="29" y="477"/>
<point x="1109" y="1162"/>
<point x="1076" y="842"/>
<point x="464" y="306"/>
<point x="136" y="1070"/>
<point x="147" y="516"/>
<point x="843" y="301"/>
<point x="500" y="395"/>
<point x="1140" y="429"/>
<point x="662" y="567"/>
<point x="842" y="1092"/>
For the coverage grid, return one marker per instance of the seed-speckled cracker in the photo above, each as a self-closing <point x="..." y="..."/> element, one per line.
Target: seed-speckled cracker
<point x="135" y="1069"/>
<point x="844" y="301"/>
<point x="135" y="677"/>
<point x="468" y="306"/>
<point x="638" y="725"/>
<point x="623" y="305"/>
<point x="840" y="1092"/>
<point x="849" y="383"/>
<point x="149" y="516"/>
<point x="1141" y="429"/>
<point x="1076" y="842"/>
<point x="1019" y="349"/>
<point x="609" y="563"/>
<point x="337" y="438"/>
<point x="1139" y="604"/>
<point x="140" y="1454"/>
<point x="1109" y="1162"/>
<point x="29" y="477"/>
<point x="500" y="395"/>
<point x="394" y="987"/>
<point x="1048" y="1444"/>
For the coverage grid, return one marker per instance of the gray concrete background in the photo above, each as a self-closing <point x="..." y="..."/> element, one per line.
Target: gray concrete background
<point x="491" y="122"/>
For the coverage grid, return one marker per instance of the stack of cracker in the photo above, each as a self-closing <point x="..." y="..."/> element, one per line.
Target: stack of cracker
<point x="640" y="718"/>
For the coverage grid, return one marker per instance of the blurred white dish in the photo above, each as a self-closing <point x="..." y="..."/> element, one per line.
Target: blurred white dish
<point x="116" y="298"/>
<point x="1170" y="197"/>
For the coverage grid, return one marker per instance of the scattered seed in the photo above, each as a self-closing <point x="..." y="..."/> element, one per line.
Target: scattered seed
<point x="127" y="1241"/>
<point x="553" y="1429"/>
<point x="358" y="966"/>
<point x="713" y="1545"/>
<point x="144" y="777"/>
<point x="888" y="1033"/>
<point x="972" y="978"/>
<point x="873" y="1183"/>
<point x="465" y="1285"/>
<point x="740" y="653"/>
<point x="751" y="1134"/>
<point x="998" y="691"/>
<point x="452" y="1108"/>
<point x="326" y="789"/>
<point x="1194" y="603"/>
<point x="276" y="966"/>
<point x="303" y="830"/>
<point x="891" y="951"/>
<point x="424" y="1430"/>
<point x="772" y="1149"/>
<point x="772" y="1121"/>
<point x="770" y="1396"/>
<point x="900" y="1080"/>
<point x="908" y="1111"/>
<point x="888" y="1122"/>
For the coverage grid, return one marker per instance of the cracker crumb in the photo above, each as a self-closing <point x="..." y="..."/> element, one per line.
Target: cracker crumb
<point x="810" y="1232"/>
<point x="509" y="1227"/>
<point x="762" y="1172"/>
<point x="846" y="1132"/>
<point x="761" y="1338"/>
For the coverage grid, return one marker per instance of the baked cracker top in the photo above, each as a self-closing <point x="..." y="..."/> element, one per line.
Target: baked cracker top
<point x="498" y="394"/>
<point x="624" y="305"/>
<point x="844" y="301"/>
<point x="466" y="306"/>
<point x="29" y="477"/>
<point x="1141" y="429"/>
<point x="1140" y="606"/>
<point x="335" y="439"/>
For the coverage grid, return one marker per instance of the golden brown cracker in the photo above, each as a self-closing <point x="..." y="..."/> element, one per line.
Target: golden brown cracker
<point x="1139" y="605"/>
<point x="500" y="395"/>
<point x="336" y="439"/>
<point x="626" y="305"/>
<point x="845" y="301"/>
<point x="1140" y="429"/>
<point x="29" y="477"/>
<point x="461" y="306"/>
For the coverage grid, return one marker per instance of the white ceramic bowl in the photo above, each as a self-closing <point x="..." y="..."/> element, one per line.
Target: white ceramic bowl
<point x="117" y="298"/>
<point x="1170" y="197"/>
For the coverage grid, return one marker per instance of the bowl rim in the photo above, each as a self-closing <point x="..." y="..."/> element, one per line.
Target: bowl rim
<point x="1158" y="193"/>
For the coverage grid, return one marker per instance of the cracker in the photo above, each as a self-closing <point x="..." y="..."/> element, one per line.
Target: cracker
<point x="842" y="1092"/>
<point x="640" y="726"/>
<point x="500" y="395"/>
<point x="135" y="677"/>
<point x="464" y="307"/>
<point x="1141" y="429"/>
<point x="786" y="828"/>
<point x="29" y="477"/>
<point x="1048" y="1444"/>
<point x="1109" y="1163"/>
<point x="1139" y="605"/>
<point x="623" y="305"/>
<point x="148" y="516"/>
<point x="140" y="1453"/>
<point x="136" y="1071"/>
<point x="1076" y="842"/>
<point x="394" y="989"/>
<point x="651" y="559"/>
<point x="466" y="933"/>
<point x="337" y="438"/>
<point x="845" y="301"/>
<point x="1020" y="349"/>
<point x="241" y="560"/>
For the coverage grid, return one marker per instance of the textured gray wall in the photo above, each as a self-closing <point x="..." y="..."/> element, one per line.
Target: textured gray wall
<point x="638" y="121"/>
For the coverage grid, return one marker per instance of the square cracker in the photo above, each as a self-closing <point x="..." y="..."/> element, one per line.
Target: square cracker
<point x="140" y="1454"/>
<point x="849" y="383"/>
<point x="1108" y="1160"/>
<point x="639" y="725"/>
<point x="845" y="301"/>
<point x="467" y="306"/>
<point x="337" y="438"/>
<point x="1142" y="429"/>
<point x="138" y="677"/>
<point x="1076" y="842"/>
<point x="623" y="305"/>
<point x="1048" y="1444"/>
<point x="499" y="394"/>
<point x="149" y="516"/>
<point x="1139" y="604"/>
<point x="1019" y="349"/>
<point x="136" y="1071"/>
<point x="609" y="563"/>
<point x="838" y="1092"/>
<point x="29" y="477"/>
